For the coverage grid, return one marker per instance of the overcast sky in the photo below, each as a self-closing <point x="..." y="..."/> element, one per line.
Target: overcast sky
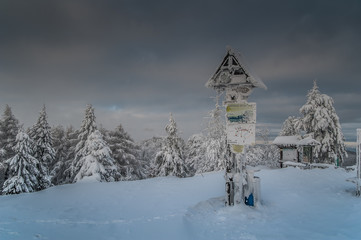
<point x="137" y="61"/>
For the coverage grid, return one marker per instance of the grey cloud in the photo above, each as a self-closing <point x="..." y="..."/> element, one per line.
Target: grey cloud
<point x="155" y="57"/>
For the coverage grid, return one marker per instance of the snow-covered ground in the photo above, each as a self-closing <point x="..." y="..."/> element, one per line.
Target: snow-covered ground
<point x="296" y="204"/>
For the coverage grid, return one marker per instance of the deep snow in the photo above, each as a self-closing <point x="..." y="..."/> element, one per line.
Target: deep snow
<point x="296" y="204"/>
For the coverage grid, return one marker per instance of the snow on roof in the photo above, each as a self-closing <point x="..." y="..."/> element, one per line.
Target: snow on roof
<point x="232" y="69"/>
<point x="287" y="140"/>
<point x="295" y="141"/>
<point x="308" y="141"/>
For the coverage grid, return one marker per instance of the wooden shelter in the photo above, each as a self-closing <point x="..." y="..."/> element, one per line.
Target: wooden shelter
<point x="295" y="148"/>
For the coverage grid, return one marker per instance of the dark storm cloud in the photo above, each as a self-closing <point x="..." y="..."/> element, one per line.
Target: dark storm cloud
<point x="137" y="58"/>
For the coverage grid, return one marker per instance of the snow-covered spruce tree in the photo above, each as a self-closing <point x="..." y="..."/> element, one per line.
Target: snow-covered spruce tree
<point x="87" y="128"/>
<point x="59" y="139"/>
<point x="170" y="160"/>
<point x="289" y="127"/>
<point x="43" y="149"/>
<point x="150" y="148"/>
<point x="96" y="163"/>
<point x="195" y="152"/>
<point x="2" y="175"/>
<point x="216" y="142"/>
<point x="23" y="169"/>
<point x="65" y="142"/>
<point x="9" y="128"/>
<point x="320" y="119"/>
<point x="126" y="154"/>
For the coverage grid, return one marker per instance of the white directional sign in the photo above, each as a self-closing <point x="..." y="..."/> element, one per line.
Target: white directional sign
<point x="241" y="134"/>
<point x="241" y="123"/>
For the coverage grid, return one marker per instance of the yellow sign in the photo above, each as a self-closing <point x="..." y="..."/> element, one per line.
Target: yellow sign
<point x="241" y="113"/>
<point x="237" y="148"/>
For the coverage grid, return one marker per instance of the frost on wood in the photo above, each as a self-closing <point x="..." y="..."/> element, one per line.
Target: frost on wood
<point x="319" y="118"/>
<point x="170" y="160"/>
<point x="231" y="73"/>
<point x="23" y="171"/>
<point x="96" y="163"/>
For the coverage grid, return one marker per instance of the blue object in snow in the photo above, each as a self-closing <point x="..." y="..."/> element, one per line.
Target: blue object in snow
<point x="250" y="200"/>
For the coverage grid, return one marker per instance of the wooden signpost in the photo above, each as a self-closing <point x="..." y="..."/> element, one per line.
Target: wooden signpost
<point x="233" y="79"/>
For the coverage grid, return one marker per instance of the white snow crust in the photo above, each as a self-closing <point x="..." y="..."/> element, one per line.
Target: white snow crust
<point x="295" y="204"/>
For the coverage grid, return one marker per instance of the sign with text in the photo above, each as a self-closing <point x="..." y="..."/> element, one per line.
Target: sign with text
<point x="241" y="113"/>
<point x="241" y="134"/>
<point x="241" y="123"/>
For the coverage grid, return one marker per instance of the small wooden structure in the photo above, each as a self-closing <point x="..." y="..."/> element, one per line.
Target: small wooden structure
<point x="295" y="148"/>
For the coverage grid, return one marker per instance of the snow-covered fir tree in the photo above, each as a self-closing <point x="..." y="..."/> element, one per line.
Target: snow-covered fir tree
<point x="2" y="175"/>
<point x="96" y="163"/>
<point x="195" y="152"/>
<point x="61" y="145"/>
<point x="216" y="142"/>
<point x="170" y="160"/>
<point x="126" y="154"/>
<point x="64" y="142"/>
<point x="319" y="118"/>
<point x="9" y="128"/>
<point x="150" y="148"/>
<point x="290" y="127"/>
<point x="263" y="134"/>
<point x="43" y="149"/>
<point x="87" y="128"/>
<point x="23" y="170"/>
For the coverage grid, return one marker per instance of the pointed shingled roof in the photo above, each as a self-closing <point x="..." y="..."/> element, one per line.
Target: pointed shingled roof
<point x="231" y="73"/>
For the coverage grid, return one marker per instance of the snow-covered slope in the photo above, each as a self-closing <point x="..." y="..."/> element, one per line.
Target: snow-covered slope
<point x="296" y="204"/>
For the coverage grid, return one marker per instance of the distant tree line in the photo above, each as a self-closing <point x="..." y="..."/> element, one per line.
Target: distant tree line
<point x="43" y="156"/>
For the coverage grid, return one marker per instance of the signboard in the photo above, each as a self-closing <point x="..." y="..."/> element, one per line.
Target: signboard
<point x="241" y="113"/>
<point x="241" y="123"/>
<point x="241" y="134"/>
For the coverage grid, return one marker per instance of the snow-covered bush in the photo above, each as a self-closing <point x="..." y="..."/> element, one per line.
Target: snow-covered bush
<point x="263" y="155"/>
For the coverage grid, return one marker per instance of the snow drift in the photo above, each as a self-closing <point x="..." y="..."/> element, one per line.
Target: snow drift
<point x="296" y="204"/>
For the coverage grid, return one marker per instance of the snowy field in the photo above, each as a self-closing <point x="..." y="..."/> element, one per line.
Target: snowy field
<point x="296" y="204"/>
